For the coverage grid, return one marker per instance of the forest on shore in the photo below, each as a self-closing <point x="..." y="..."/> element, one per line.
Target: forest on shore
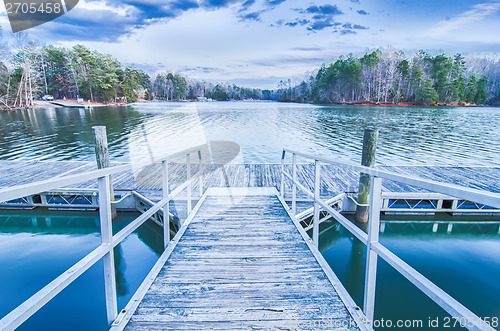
<point x="30" y="70"/>
<point x="394" y="77"/>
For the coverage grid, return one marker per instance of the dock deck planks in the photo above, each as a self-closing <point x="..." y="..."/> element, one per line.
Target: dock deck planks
<point x="241" y="263"/>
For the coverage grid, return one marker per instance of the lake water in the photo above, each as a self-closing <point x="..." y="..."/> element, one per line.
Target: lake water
<point x="37" y="246"/>
<point x="464" y="263"/>
<point x="408" y="135"/>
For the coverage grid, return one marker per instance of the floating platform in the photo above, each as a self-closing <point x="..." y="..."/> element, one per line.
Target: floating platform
<point x="336" y="180"/>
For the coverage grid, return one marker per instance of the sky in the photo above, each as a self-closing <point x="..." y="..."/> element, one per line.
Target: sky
<point x="257" y="43"/>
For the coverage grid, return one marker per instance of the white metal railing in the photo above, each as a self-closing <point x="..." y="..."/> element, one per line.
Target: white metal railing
<point x="371" y="239"/>
<point x="108" y="241"/>
<point x="305" y="216"/>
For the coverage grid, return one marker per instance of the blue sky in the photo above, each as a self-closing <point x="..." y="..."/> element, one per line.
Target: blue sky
<point x="258" y="42"/>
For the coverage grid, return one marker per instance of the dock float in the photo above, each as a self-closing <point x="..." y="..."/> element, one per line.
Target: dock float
<point x="240" y="262"/>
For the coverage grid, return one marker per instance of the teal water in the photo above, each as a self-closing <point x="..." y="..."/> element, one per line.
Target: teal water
<point x="464" y="263"/>
<point x="37" y="246"/>
<point x="408" y="135"/>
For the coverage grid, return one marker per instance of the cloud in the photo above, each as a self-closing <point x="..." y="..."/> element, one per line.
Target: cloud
<point x="307" y="49"/>
<point x="247" y="4"/>
<point x="184" y="5"/>
<point x="354" y="26"/>
<point x="347" y="31"/>
<point x="255" y="16"/>
<point x="216" y="4"/>
<point x="320" y="25"/>
<point x="274" y="3"/>
<point x="108" y="20"/>
<point x="362" y="12"/>
<point x="349" y="28"/>
<point x="477" y="13"/>
<point x="293" y="23"/>
<point x="326" y="10"/>
<point x="201" y="69"/>
<point x="288" y="60"/>
<point x="317" y="18"/>
<point x="320" y="17"/>
<point x="101" y="25"/>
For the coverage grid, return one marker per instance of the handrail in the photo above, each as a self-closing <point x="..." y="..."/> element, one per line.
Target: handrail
<point x="23" y="190"/>
<point x="466" y="193"/>
<point x="371" y="239"/>
<point x="108" y="241"/>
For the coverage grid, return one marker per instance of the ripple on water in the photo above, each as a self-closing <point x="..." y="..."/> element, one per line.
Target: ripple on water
<point x="408" y="135"/>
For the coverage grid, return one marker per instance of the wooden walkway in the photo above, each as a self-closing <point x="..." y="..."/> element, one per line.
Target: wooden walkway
<point x="239" y="262"/>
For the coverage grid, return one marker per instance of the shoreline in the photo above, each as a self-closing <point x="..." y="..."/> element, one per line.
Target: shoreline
<point x="402" y="104"/>
<point x="72" y="103"/>
<point x="59" y="103"/>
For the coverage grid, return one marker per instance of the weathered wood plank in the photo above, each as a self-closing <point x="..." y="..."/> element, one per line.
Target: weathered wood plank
<point x="228" y="277"/>
<point x="291" y="303"/>
<point x="299" y="324"/>
<point x="239" y="262"/>
<point x="238" y="313"/>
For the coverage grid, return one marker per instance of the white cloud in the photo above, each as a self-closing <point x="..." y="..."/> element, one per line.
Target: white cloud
<point x="477" y="13"/>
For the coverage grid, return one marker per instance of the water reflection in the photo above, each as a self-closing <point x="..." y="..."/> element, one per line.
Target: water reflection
<point x="463" y="262"/>
<point x="416" y="135"/>
<point x="120" y="267"/>
<point x="36" y="246"/>
<point x="62" y="133"/>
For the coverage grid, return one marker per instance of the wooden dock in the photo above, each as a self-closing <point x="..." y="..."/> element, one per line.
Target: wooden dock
<point x="239" y="262"/>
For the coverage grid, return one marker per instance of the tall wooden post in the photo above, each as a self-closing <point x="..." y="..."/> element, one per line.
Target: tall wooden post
<point x="370" y="138"/>
<point x="102" y="158"/>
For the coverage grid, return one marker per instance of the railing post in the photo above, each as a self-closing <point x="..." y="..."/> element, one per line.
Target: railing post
<point x="200" y="172"/>
<point x="371" y="256"/>
<point x="282" y="182"/>
<point x="370" y="138"/>
<point x="317" y="182"/>
<point x="188" y="169"/>
<point x="294" y="185"/>
<point x="106" y="238"/>
<point x="166" y="209"/>
<point x="102" y="157"/>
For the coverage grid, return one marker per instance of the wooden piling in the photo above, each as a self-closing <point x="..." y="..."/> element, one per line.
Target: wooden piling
<point x="102" y="157"/>
<point x="370" y="138"/>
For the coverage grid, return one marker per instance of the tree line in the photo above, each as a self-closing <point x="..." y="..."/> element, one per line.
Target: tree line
<point x="174" y="86"/>
<point x="394" y="77"/>
<point x="30" y="70"/>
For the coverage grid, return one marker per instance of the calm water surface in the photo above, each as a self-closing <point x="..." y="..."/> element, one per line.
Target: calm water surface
<point x="464" y="263"/>
<point x="408" y="135"/>
<point x="37" y="246"/>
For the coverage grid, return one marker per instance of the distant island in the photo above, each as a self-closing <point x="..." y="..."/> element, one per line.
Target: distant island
<point x="34" y="72"/>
